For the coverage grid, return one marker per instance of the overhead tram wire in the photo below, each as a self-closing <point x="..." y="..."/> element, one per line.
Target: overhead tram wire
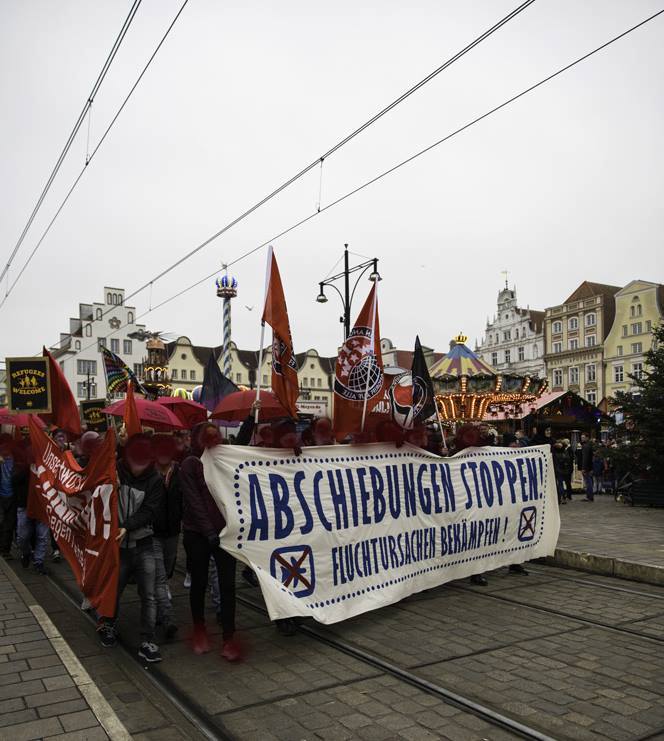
<point x="94" y="152"/>
<point x="385" y="173"/>
<point x="79" y="122"/>
<point x="316" y="163"/>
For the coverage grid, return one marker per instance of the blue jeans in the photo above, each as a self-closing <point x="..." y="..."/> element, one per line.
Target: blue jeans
<point x="589" y="484"/>
<point x="26" y="527"/>
<point x="140" y="563"/>
<point x="165" y="553"/>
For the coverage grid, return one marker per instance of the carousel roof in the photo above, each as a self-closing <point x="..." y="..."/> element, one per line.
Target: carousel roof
<point x="461" y="361"/>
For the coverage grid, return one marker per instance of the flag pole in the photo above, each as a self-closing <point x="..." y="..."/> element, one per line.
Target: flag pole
<point x="268" y="271"/>
<point x="373" y="353"/>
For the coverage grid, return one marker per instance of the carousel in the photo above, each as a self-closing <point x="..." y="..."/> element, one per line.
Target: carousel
<point x="467" y="389"/>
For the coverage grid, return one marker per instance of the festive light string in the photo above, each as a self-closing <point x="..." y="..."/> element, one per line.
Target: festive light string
<point x="392" y="169"/>
<point x="519" y="9"/>
<point x="89" y="158"/>
<point x="86" y="108"/>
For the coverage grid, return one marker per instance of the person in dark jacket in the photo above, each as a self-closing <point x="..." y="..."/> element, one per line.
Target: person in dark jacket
<point x="167" y="526"/>
<point x="202" y="522"/>
<point x="561" y="465"/>
<point x="587" y="455"/>
<point x="140" y="492"/>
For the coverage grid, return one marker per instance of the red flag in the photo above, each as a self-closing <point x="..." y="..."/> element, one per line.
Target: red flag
<point x="284" y="367"/>
<point x="358" y="379"/>
<point x="64" y="408"/>
<point x="80" y="506"/>
<point x="131" y="421"/>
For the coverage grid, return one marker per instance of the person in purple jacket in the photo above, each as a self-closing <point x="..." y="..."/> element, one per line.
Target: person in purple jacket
<point x="201" y="524"/>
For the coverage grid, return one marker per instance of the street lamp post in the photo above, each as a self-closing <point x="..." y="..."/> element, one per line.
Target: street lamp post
<point x="347" y="296"/>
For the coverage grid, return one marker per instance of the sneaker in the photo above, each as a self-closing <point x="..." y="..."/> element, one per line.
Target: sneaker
<point x="41" y="569"/>
<point x="55" y="556"/>
<point x="201" y="642"/>
<point x="187" y="580"/>
<point x="517" y="568"/>
<point x="286" y="626"/>
<point x="25" y="560"/>
<point x="231" y="650"/>
<point x="171" y="630"/>
<point x="479" y="579"/>
<point x="107" y="636"/>
<point x="149" y="652"/>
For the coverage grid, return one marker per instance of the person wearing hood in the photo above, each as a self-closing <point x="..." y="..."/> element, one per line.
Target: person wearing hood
<point x="202" y="522"/>
<point x="140" y="492"/>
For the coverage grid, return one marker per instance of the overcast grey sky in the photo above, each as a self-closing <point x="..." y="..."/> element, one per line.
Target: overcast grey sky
<point x="564" y="185"/>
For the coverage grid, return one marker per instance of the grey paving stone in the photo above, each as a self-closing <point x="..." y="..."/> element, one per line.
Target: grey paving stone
<point x="61" y="708"/>
<point x="79" y="720"/>
<point x="43" y="672"/>
<point x="21" y="689"/>
<point x="35" y="729"/>
<point x="17" y="716"/>
<point x="50" y="698"/>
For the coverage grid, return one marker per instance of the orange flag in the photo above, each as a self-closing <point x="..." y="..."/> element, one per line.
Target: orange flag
<point x="131" y="422"/>
<point x="284" y="367"/>
<point x="64" y="408"/>
<point x="358" y="379"/>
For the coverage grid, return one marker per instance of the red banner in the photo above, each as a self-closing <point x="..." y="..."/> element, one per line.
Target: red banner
<point x="80" y="505"/>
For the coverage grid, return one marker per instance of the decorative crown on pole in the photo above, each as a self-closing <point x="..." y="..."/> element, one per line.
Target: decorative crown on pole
<point x="226" y="286"/>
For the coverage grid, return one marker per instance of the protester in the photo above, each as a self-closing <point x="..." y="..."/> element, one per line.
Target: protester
<point x="202" y="522"/>
<point x="60" y="439"/>
<point x="167" y="526"/>
<point x="587" y="456"/>
<point x="7" y="496"/>
<point x="139" y="494"/>
<point x="561" y="463"/>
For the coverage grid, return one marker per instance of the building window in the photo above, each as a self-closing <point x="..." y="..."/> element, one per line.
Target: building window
<point x="83" y="367"/>
<point x="637" y="348"/>
<point x="618" y="374"/>
<point x="591" y="373"/>
<point x="507" y="335"/>
<point x="558" y="377"/>
<point x="238" y="377"/>
<point x="624" y="330"/>
<point x="109" y="298"/>
<point x="508" y="358"/>
<point x="574" y="344"/>
<point x="98" y="314"/>
<point x="130" y="317"/>
<point x="494" y="358"/>
<point x="88" y="330"/>
<point x="535" y="351"/>
<point x="82" y="391"/>
<point x="319" y="383"/>
<point x="620" y="350"/>
<point x="516" y="333"/>
<point x="115" y="345"/>
<point x="126" y="347"/>
<point x="637" y="328"/>
<point x="101" y="342"/>
<point x="557" y="347"/>
<point x="138" y="369"/>
<point x="574" y="376"/>
<point x="305" y="381"/>
<point x="573" y="323"/>
<point x="192" y="375"/>
<point x="264" y="379"/>
<point x="591" y="396"/>
<point x="591" y="320"/>
<point x="174" y="374"/>
<point x="77" y="345"/>
<point x="648" y="325"/>
<point x="119" y="299"/>
<point x="637" y="370"/>
<point x="557" y="327"/>
<point x="590" y="340"/>
<point x="522" y="353"/>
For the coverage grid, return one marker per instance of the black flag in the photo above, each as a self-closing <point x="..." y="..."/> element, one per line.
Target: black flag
<point x="424" y="405"/>
<point x="215" y="385"/>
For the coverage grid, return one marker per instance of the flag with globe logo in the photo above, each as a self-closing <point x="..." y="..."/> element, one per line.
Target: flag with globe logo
<point x="358" y="379"/>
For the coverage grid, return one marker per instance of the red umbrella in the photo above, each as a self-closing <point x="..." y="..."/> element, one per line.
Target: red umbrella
<point x="150" y="414"/>
<point x="189" y="412"/>
<point x="237" y="406"/>
<point x="18" y="420"/>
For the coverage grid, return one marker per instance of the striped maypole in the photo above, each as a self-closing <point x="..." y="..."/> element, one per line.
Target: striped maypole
<point x="227" y="290"/>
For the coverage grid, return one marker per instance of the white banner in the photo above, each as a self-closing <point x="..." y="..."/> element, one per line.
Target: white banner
<point x="344" y="529"/>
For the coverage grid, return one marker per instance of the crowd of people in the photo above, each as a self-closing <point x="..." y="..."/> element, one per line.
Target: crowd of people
<point x="162" y="497"/>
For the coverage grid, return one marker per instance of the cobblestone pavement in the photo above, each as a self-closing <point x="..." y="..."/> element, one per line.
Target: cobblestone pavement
<point x="608" y="528"/>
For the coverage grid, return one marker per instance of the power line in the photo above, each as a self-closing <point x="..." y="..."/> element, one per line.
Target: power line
<point x="91" y="156"/>
<point x="309" y="167"/>
<point x="392" y="169"/>
<point x="72" y="136"/>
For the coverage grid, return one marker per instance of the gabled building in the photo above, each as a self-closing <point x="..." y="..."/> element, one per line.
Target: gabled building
<point x="575" y="332"/>
<point x="106" y="323"/>
<point x="639" y="309"/>
<point x="514" y="340"/>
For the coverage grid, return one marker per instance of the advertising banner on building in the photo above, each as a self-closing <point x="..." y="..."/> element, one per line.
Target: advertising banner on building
<point x="80" y="507"/>
<point x="28" y="385"/>
<point x="92" y="415"/>
<point x="340" y="530"/>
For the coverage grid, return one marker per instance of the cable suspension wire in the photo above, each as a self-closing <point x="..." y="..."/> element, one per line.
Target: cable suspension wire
<point x="317" y="162"/>
<point x="79" y="122"/>
<point x="89" y="158"/>
<point x="393" y="169"/>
